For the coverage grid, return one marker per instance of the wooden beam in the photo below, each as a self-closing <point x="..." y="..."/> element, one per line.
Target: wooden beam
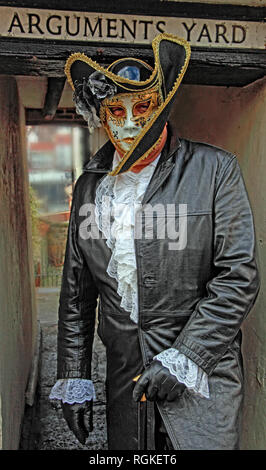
<point x="54" y="91"/>
<point x="207" y="66"/>
<point x="62" y="116"/>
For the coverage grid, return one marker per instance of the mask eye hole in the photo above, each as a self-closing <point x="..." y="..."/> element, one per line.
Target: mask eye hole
<point x="117" y="111"/>
<point x="141" y="108"/>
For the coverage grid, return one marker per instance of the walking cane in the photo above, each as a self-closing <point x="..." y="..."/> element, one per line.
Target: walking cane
<point x="142" y="410"/>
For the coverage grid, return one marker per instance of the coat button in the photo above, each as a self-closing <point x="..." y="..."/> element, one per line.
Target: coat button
<point x="149" y="279"/>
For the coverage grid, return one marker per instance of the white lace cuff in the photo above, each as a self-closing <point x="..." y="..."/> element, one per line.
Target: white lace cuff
<point x="185" y="370"/>
<point x="73" y="391"/>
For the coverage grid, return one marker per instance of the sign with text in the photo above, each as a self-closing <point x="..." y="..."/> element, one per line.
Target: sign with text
<point x="128" y="29"/>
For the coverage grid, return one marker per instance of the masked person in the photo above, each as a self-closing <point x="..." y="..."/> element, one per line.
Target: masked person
<point x="168" y="315"/>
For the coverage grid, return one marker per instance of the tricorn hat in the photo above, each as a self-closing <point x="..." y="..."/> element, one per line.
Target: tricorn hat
<point x="93" y="83"/>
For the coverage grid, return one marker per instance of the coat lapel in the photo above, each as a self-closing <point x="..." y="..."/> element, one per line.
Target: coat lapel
<point x="102" y="160"/>
<point x="165" y="165"/>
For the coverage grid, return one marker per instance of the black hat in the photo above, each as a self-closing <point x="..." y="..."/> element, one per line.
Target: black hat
<point x="92" y="84"/>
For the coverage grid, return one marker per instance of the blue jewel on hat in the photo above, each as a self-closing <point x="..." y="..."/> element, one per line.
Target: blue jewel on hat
<point x="130" y="72"/>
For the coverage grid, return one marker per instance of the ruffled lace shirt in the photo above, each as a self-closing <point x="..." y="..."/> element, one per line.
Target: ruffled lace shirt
<point x="118" y="198"/>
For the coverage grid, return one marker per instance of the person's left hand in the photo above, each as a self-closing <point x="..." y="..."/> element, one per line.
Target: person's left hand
<point x="79" y="417"/>
<point x="158" y="383"/>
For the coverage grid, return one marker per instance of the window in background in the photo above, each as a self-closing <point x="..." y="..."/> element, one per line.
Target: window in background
<point x="55" y="161"/>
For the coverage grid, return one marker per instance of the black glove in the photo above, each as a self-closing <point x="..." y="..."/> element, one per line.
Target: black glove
<point x="79" y="418"/>
<point x="158" y="383"/>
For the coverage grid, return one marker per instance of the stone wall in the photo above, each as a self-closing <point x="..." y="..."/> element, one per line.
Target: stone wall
<point x="17" y="296"/>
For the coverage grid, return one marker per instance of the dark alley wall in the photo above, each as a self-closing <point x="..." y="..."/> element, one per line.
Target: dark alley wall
<point x="17" y="307"/>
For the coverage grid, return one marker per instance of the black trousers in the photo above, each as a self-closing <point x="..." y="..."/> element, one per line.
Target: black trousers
<point x="162" y="440"/>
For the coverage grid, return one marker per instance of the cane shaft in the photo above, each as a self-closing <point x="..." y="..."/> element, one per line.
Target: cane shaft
<point x="143" y="398"/>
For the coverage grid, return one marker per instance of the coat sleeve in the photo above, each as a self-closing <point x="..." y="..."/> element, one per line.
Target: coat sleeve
<point x="233" y="289"/>
<point x="77" y="308"/>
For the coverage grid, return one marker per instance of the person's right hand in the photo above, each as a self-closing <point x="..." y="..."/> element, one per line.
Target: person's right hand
<point x="158" y="384"/>
<point x="79" y="417"/>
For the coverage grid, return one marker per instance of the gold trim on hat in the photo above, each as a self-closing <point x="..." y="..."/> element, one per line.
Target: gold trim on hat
<point x="129" y="58"/>
<point x="120" y="81"/>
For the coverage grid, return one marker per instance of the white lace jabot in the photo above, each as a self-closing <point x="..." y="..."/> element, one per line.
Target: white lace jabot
<point x="124" y="194"/>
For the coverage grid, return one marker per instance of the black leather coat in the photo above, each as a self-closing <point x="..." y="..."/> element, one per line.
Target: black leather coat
<point x="194" y="299"/>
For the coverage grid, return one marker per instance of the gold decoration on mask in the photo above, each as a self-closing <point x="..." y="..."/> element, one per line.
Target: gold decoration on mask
<point x="152" y="94"/>
<point x="110" y="115"/>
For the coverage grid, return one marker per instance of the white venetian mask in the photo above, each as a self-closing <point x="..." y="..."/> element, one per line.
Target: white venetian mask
<point x="124" y="116"/>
